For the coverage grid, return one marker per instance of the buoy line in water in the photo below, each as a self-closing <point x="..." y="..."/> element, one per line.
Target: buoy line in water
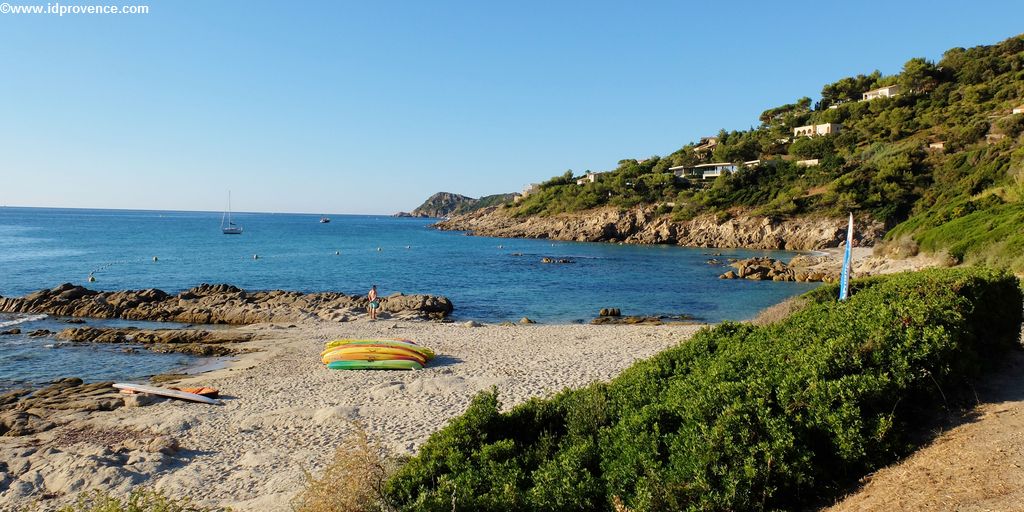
<point x="91" y="276"/>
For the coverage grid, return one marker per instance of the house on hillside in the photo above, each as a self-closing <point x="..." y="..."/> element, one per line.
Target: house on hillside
<point x="706" y="144"/>
<point x="811" y="162"/>
<point x="936" y="146"/>
<point x="589" y="177"/>
<point x="881" y="92"/>
<point x="813" y="130"/>
<point x="684" y="171"/>
<point x="755" y="163"/>
<point x="1018" y="110"/>
<point x="704" y="171"/>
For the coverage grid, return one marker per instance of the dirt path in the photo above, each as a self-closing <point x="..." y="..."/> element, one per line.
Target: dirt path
<point x="976" y="466"/>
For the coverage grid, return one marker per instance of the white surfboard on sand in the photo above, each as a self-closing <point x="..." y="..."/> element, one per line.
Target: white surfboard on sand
<point x="170" y="393"/>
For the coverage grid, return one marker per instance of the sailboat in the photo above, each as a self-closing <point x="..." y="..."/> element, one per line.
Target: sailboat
<point x="229" y="228"/>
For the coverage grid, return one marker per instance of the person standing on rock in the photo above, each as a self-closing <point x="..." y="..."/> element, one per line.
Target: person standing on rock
<point x="374" y="302"/>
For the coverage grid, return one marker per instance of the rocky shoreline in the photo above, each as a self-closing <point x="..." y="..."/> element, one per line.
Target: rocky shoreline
<point x="219" y="304"/>
<point x="644" y="225"/>
<point x="197" y="342"/>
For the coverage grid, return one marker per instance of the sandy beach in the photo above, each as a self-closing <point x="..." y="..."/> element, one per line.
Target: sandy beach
<point x="284" y="412"/>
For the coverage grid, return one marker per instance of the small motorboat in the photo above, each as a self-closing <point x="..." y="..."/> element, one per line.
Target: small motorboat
<point x="325" y="219"/>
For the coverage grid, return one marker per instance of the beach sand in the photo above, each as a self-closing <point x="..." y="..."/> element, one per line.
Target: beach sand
<point x="284" y="412"/>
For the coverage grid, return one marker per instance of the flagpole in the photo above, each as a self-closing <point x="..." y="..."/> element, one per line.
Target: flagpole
<point x="844" y="277"/>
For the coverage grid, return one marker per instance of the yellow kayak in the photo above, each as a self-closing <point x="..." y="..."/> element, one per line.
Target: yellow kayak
<point x="372" y="350"/>
<point x="369" y="356"/>
<point x="406" y="344"/>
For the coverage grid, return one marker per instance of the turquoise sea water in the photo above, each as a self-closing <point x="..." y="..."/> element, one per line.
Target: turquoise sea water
<point x="488" y="279"/>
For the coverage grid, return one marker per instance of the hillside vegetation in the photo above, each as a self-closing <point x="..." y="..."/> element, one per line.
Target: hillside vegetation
<point x="784" y="416"/>
<point x="966" y="197"/>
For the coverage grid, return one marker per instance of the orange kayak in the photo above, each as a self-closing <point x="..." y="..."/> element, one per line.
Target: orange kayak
<point x="367" y="356"/>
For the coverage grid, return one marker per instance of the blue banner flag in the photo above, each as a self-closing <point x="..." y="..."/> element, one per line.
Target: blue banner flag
<point x="844" y="277"/>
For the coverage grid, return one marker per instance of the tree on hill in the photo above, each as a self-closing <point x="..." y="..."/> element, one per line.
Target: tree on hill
<point x="847" y="89"/>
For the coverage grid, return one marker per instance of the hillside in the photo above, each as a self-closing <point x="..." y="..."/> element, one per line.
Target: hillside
<point x="443" y="204"/>
<point x="935" y="155"/>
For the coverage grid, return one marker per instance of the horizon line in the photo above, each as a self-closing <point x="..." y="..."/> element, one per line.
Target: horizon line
<point x="3" y="206"/>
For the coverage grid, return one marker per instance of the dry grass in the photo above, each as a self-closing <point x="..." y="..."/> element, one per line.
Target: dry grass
<point x="779" y="312"/>
<point x="352" y="482"/>
<point x="904" y="247"/>
<point x="618" y="506"/>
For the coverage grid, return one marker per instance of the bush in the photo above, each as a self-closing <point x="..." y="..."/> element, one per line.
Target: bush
<point x="738" y="418"/>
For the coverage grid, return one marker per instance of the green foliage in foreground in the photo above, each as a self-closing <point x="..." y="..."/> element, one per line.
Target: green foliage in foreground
<point x="737" y="418"/>
<point x="139" y="500"/>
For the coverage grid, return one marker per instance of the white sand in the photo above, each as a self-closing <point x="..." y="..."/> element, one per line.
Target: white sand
<point x="285" y="412"/>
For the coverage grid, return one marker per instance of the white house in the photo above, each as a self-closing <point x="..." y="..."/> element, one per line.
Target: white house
<point x="881" y="92"/>
<point x="684" y="171"/>
<point x="754" y="163"/>
<point x="704" y="171"/>
<point x="807" y="163"/>
<point x="813" y="130"/>
<point x="1018" y="110"/>
<point x="590" y="177"/>
<point x="937" y="145"/>
<point x="531" y="188"/>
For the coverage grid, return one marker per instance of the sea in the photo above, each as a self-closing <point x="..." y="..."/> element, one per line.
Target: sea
<point x="487" y="279"/>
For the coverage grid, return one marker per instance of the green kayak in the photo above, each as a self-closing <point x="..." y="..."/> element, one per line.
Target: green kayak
<point x="399" y="364"/>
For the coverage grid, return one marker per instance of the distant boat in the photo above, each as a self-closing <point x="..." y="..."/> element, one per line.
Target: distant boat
<point x="229" y="228"/>
<point x="325" y="219"/>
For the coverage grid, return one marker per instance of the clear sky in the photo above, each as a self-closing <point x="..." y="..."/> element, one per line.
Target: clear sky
<point x="371" y="106"/>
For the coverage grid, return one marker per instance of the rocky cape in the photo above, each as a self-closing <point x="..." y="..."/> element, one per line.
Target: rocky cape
<point x="643" y="225"/>
<point x="443" y="204"/>
<point x="218" y="304"/>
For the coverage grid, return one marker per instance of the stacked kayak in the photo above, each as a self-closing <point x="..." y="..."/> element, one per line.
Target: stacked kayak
<point x="375" y="354"/>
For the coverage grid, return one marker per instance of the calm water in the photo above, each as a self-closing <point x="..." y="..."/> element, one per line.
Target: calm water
<point x="488" y="279"/>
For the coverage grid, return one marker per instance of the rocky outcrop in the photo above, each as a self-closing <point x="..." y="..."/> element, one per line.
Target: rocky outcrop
<point x="51" y="448"/>
<point x="644" y="226"/>
<point x="770" y="269"/>
<point x="562" y="261"/>
<point x="24" y="411"/>
<point x="627" y="320"/>
<point x="216" y="304"/>
<point x="187" y="341"/>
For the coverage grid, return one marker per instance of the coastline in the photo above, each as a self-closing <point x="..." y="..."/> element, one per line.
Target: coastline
<point x="280" y="398"/>
<point x="645" y="226"/>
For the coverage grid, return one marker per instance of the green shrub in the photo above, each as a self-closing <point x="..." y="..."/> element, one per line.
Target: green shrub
<point x="739" y="417"/>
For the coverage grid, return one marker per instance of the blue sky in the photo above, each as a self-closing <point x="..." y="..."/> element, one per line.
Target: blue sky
<point x="369" y="107"/>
